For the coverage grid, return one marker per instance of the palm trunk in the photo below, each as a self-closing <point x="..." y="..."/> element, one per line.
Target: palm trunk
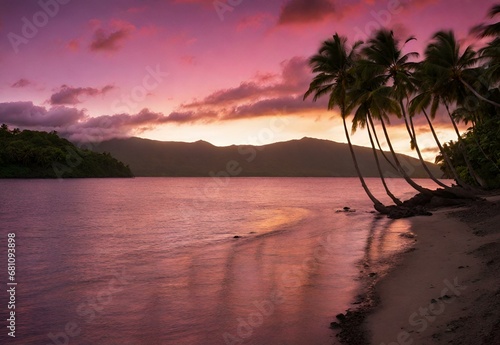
<point x="471" y="170"/>
<point x="471" y="89"/>
<point x="378" y="144"/>
<point x="412" y="183"/>
<point x="396" y="200"/>
<point x="413" y="137"/>
<point x="376" y="203"/>
<point x="443" y="152"/>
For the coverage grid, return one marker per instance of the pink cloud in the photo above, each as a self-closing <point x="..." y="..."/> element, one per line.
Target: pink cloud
<point x="200" y="2"/>
<point x="266" y="94"/>
<point x="73" y="45"/>
<point x="182" y="38"/>
<point x="287" y="105"/>
<point x="254" y="22"/>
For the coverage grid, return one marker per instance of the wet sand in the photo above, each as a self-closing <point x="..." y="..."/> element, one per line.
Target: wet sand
<point x="446" y="289"/>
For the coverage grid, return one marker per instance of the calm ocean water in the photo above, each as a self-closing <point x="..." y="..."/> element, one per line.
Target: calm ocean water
<point x="155" y="261"/>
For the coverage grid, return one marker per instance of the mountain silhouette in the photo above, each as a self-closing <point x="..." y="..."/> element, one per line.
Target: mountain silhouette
<point x="306" y="157"/>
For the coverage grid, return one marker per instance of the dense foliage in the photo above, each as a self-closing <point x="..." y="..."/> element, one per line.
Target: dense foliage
<point x="483" y="147"/>
<point x="34" y="154"/>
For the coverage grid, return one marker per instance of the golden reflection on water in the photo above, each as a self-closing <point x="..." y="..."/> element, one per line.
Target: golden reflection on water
<point x="267" y="220"/>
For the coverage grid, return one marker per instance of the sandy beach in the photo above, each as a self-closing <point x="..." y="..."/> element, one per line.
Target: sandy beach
<point x="446" y="289"/>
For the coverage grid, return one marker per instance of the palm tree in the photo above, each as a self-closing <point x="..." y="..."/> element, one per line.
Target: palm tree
<point x="419" y="104"/>
<point x="450" y="70"/>
<point x="368" y="98"/>
<point x="489" y="30"/>
<point x="491" y="53"/>
<point x="384" y="57"/>
<point x="333" y="68"/>
<point x="443" y="53"/>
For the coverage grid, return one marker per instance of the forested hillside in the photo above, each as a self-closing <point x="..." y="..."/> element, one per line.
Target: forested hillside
<point x="34" y="154"/>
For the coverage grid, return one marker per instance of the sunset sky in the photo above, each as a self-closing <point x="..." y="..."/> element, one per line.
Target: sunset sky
<point x="228" y="72"/>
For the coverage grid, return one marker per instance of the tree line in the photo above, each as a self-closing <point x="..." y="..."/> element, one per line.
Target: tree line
<point x="35" y="154"/>
<point x="374" y="81"/>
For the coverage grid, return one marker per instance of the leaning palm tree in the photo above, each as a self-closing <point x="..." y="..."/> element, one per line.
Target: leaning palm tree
<point x="384" y="57"/>
<point x="368" y="98"/>
<point x="333" y="68"/>
<point x="419" y="104"/>
<point x="453" y="72"/>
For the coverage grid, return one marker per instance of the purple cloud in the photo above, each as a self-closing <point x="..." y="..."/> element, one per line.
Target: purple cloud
<point x="21" y="83"/>
<point x="70" y="95"/>
<point x="75" y="125"/>
<point x="26" y="114"/>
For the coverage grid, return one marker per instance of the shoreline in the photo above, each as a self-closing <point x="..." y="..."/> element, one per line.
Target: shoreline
<point x="435" y="291"/>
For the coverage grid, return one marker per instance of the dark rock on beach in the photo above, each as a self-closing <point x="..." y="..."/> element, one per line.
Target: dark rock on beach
<point x="420" y="204"/>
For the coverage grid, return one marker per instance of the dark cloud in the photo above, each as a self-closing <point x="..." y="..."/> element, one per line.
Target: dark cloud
<point x="21" y="83"/>
<point x="70" y="95"/>
<point x="111" y="40"/>
<point x="26" y="114"/>
<point x="305" y="11"/>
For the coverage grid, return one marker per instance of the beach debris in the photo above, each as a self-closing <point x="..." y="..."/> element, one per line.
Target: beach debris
<point x="433" y="300"/>
<point x="372" y="274"/>
<point x="252" y="232"/>
<point x="445" y="297"/>
<point x="346" y="209"/>
<point x="237" y="236"/>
